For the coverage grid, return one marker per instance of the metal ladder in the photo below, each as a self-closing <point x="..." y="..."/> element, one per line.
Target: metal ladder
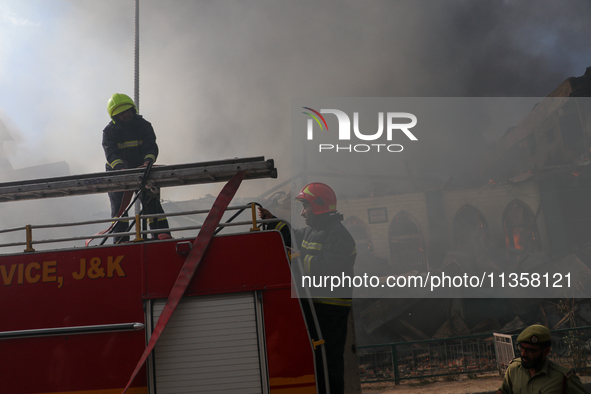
<point x="123" y="180"/>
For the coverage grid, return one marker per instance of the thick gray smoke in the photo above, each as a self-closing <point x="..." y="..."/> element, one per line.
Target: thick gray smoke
<point x="217" y="78"/>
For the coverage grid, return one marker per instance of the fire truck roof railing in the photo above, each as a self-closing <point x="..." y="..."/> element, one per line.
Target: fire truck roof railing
<point x="140" y="235"/>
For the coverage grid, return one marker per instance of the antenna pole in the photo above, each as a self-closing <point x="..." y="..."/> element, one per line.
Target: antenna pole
<point x="136" y="94"/>
<point x="136" y="74"/>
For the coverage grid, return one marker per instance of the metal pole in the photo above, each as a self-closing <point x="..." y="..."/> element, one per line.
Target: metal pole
<point x="136" y="93"/>
<point x="136" y="83"/>
<point x="395" y="365"/>
<point x="462" y="354"/>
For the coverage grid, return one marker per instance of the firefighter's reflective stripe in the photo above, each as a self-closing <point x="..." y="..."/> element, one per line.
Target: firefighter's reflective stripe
<point x="311" y="245"/>
<point x="279" y="226"/>
<point x="151" y="220"/>
<point x="333" y="301"/>
<point x="115" y="162"/>
<point x="307" y="262"/>
<point x="152" y="157"/>
<point x="129" y="144"/>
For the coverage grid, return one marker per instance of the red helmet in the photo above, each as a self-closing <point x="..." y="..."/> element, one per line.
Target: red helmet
<point x="320" y="196"/>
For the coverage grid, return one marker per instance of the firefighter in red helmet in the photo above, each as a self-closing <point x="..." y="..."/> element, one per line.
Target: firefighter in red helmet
<point x="326" y="248"/>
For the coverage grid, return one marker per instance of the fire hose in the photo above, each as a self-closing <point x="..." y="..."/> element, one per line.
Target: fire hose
<point x="190" y="266"/>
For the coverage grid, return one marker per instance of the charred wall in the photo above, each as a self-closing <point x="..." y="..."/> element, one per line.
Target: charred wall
<point x="449" y="220"/>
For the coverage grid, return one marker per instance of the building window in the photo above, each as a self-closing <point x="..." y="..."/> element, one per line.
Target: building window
<point x="407" y="247"/>
<point x="521" y="231"/>
<point x="471" y="232"/>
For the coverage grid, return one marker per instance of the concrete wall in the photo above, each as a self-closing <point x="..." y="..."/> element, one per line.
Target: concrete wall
<point x="413" y="204"/>
<point x="490" y="200"/>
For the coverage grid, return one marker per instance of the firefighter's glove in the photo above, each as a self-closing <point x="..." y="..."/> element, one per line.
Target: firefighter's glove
<point x="265" y="213"/>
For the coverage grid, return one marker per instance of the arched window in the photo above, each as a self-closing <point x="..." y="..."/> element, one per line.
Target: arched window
<point x="407" y="247"/>
<point x="521" y="231"/>
<point x="360" y="233"/>
<point x="471" y="231"/>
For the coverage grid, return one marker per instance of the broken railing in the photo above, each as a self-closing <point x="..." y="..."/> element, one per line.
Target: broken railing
<point x="470" y="354"/>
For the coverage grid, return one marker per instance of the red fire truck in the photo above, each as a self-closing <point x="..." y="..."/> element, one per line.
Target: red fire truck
<point x="77" y="320"/>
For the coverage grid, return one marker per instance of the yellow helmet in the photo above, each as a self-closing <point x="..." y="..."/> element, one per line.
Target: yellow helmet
<point x="118" y="103"/>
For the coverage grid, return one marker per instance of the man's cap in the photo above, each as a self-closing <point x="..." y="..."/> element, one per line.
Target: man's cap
<point x="534" y="334"/>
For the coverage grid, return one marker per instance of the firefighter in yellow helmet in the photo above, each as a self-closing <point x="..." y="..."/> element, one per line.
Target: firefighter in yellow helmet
<point x="533" y="372"/>
<point x="326" y="248"/>
<point x="129" y="141"/>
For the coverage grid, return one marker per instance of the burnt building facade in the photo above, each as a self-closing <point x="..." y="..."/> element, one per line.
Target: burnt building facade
<point x="533" y="205"/>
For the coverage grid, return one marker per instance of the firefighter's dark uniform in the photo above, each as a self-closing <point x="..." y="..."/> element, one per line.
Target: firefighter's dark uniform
<point x="130" y="146"/>
<point x="329" y="249"/>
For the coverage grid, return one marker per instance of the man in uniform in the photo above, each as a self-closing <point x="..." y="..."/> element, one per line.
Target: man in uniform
<point x="129" y="141"/>
<point x="533" y="372"/>
<point x="326" y="248"/>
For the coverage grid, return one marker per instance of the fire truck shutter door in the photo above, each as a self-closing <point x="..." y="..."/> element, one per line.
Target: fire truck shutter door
<point x="211" y="344"/>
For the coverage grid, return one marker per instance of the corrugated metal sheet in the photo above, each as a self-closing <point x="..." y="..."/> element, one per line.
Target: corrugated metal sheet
<point x="209" y="346"/>
<point x="453" y="327"/>
<point x="383" y="310"/>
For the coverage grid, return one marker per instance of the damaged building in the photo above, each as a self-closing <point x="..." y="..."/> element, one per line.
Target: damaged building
<point x="532" y="209"/>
